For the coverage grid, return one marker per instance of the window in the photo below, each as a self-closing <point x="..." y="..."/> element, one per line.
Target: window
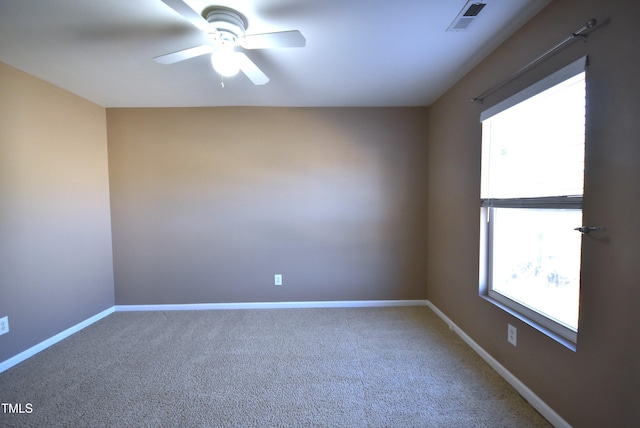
<point x="532" y="186"/>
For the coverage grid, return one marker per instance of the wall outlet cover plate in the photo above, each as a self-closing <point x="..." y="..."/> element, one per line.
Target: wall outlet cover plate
<point x="4" y="325"/>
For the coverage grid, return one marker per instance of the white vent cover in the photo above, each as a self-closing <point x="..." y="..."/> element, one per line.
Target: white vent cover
<point x="467" y="15"/>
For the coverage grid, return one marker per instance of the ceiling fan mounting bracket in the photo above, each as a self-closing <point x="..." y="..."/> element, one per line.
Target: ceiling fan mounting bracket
<point x="228" y="24"/>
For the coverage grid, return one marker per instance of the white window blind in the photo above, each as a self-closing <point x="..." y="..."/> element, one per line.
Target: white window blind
<point x="534" y="141"/>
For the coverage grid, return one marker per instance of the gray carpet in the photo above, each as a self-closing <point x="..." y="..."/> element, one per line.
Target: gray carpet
<point x="363" y="367"/>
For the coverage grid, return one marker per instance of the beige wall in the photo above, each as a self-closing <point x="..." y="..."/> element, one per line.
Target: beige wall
<point x="55" y="235"/>
<point x="209" y="203"/>
<point x="599" y="385"/>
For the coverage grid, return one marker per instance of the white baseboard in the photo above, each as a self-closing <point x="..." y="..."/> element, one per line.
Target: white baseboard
<point x="7" y="364"/>
<point x="271" y="305"/>
<point x="543" y="408"/>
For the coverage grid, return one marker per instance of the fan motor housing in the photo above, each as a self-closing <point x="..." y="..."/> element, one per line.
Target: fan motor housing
<point x="230" y="23"/>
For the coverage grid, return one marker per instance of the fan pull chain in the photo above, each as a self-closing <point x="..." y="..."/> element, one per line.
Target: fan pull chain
<point x="222" y="81"/>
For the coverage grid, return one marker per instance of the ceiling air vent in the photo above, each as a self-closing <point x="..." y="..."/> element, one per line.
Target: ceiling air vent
<point x="466" y="16"/>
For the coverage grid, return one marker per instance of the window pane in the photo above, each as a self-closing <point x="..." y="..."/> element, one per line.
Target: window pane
<point x="536" y="260"/>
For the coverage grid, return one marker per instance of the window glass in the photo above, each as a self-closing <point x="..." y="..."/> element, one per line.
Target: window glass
<point x="536" y="256"/>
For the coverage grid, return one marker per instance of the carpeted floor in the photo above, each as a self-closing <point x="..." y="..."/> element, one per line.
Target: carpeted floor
<point x="343" y="367"/>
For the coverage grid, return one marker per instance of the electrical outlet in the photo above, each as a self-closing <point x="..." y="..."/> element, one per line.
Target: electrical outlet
<point x="277" y="279"/>
<point x="4" y="325"/>
<point x="512" y="335"/>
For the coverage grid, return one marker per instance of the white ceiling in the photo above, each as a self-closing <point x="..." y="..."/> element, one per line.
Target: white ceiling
<point x="358" y="52"/>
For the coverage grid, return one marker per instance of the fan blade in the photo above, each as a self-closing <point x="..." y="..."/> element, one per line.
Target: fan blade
<point x="189" y="14"/>
<point x="251" y="70"/>
<point x="184" y="54"/>
<point x="282" y="39"/>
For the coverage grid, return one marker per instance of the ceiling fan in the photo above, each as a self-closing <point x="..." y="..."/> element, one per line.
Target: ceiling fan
<point x="226" y="29"/>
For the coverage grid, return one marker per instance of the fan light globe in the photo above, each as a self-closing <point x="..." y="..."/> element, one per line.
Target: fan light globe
<point x="224" y="62"/>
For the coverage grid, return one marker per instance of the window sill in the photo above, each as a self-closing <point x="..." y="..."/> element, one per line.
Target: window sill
<point x="554" y="336"/>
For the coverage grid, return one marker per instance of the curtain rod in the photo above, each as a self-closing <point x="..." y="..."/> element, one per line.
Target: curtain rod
<point x="578" y="33"/>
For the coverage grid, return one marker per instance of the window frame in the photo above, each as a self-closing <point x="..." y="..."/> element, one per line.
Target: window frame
<point x="547" y="325"/>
